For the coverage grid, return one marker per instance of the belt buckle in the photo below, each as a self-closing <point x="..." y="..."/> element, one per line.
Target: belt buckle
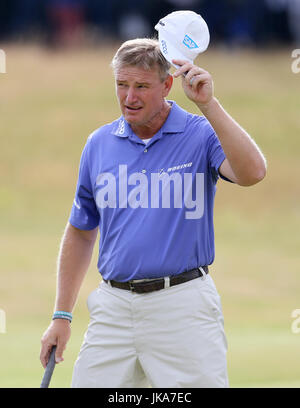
<point x="203" y="277"/>
<point x="131" y="286"/>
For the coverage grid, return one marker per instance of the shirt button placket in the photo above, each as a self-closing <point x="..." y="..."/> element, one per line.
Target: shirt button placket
<point x="144" y="151"/>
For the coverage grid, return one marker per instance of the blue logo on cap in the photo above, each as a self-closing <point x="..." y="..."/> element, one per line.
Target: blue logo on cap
<point x="188" y="42"/>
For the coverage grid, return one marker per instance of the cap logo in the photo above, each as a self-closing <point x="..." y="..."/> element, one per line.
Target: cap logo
<point x="188" y="42"/>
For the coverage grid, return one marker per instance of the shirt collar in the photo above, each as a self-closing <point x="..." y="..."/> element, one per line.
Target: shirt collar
<point x="121" y="128"/>
<point x="175" y="122"/>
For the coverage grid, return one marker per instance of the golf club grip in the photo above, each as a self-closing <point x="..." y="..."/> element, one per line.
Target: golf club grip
<point x="49" y="369"/>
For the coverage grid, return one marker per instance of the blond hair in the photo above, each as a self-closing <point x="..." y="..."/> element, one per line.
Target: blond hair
<point x="143" y="53"/>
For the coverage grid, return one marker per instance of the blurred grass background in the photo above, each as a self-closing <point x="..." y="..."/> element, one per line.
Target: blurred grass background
<point x="50" y="102"/>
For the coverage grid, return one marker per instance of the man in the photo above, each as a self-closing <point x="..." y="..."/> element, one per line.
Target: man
<point x="147" y="180"/>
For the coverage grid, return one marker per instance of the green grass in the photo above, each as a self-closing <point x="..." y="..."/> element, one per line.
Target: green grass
<point x="49" y="104"/>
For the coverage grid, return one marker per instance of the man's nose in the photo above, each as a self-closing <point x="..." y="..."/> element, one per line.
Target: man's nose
<point x="131" y="96"/>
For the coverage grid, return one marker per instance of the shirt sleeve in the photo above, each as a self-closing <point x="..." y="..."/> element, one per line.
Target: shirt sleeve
<point x="84" y="214"/>
<point x="216" y="156"/>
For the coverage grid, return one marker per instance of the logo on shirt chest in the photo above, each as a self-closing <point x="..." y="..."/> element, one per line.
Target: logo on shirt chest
<point x="175" y="168"/>
<point x="163" y="189"/>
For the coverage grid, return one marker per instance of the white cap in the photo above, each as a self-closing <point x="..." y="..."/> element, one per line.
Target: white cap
<point x="182" y="35"/>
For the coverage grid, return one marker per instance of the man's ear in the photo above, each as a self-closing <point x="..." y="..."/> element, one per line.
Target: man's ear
<point x="168" y="85"/>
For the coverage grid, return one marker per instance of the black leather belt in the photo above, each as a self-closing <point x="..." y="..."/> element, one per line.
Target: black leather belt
<point x="151" y="285"/>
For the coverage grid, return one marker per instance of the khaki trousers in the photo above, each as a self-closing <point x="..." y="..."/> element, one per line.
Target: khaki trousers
<point x="169" y="338"/>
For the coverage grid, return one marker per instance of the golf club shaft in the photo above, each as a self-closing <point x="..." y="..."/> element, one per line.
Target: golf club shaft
<point x="49" y="369"/>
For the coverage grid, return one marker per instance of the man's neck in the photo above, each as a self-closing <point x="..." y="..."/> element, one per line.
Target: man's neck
<point x="150" y="129"/>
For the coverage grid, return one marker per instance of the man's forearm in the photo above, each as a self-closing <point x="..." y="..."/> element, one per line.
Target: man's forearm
<point x="73" y="262"/>
<point x="245" y="158"/>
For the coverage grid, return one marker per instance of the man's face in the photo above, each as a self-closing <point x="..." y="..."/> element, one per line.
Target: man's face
<point x="141" y="94"/>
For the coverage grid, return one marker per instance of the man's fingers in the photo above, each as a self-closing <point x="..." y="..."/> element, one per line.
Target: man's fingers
<point x="45" y="353"/>
<point x="195" y="80"/>
<point x="46" y="350"/>
<point x="59" y="351"/>
<point x="57" y="334"/>
<point x="184" y="67"/>
<point x="192" y="74"/>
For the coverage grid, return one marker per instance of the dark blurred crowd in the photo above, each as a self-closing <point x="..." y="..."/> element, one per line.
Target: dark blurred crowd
<point x="65" y="22"/>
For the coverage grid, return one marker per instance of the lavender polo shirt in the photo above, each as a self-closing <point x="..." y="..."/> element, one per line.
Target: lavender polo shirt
<point x="153" y="203"/>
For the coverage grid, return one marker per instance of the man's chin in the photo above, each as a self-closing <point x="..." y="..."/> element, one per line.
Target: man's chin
<point x="132" y="120"/>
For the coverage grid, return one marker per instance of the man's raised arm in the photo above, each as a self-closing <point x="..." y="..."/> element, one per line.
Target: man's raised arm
<point x="244" y="163"/>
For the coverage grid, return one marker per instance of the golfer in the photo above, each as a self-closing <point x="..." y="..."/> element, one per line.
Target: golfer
<point x="147" y="182"/>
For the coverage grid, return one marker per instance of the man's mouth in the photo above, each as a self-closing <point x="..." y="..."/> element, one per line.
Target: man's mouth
<point x="133" y="108"/>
